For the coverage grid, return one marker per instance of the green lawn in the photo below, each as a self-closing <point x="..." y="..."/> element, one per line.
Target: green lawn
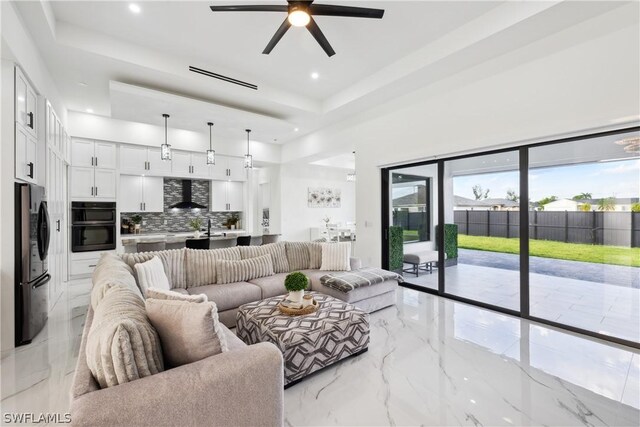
<point x="410" y="235"/>
<point x="616" y="255"/>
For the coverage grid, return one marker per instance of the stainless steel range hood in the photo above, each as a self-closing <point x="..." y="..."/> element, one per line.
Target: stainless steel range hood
<point x="186" y="202"/>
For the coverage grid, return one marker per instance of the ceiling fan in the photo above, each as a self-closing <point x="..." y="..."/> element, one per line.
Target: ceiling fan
<point x="300" y="14"/>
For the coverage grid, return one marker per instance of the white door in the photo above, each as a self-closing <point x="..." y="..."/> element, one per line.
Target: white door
<point x="157" y="166"/>
<point x="105" y="155"/>
<point x="199" y="166"/>
<point x="105" y="183"/>
<point x="235" y="196"/>
<point x="130" y="194"/>
<point x="21" y="98"/>
<point x="219" y="170"/>
<point x="181" y="163"/>
<point x="82" y="151"/>
<point x="153" y="193"/>
<point x="133" y="159"/>
<point x="237" y="171"/>
<point x="218" y="199"/>
<point x="81" y="185"/>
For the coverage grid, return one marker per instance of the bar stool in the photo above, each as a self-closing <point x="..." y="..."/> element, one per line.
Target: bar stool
<point x="244" y="240"/>
<point x="198" y="243"/>
<point x="151" y="246"/>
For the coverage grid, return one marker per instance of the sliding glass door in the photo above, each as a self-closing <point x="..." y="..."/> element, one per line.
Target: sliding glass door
<point x="584" y="264"/>
<point x="481" y="214"/>
<point x="549" y="231"/>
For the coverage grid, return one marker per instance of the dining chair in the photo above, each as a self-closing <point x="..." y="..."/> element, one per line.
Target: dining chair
<point x="198" y="243"/>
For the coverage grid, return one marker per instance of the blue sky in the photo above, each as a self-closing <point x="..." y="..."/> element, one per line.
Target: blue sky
<point x="611" y="179"/>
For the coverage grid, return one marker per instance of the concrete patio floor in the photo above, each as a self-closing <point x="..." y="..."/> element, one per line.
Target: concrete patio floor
<point x="607" y="309"/>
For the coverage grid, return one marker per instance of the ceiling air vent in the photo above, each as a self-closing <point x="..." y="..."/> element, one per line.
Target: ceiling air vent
<point x="223" y="78"/>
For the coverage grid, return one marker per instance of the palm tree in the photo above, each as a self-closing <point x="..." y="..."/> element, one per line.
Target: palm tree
<point x="607" y="204"/>
<point x="582" y="196"/>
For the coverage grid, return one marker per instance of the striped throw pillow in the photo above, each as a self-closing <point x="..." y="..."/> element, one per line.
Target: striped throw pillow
<point x="243" y="270"/>
<point x="298" y="255"/>
<point x="201" y="264"/>
<point x="276" y="250"/>
<point x="315" y="252"/>
<point x="336" y="256"/>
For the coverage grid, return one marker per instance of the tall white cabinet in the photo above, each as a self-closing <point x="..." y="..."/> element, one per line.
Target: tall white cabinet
<point x="26" y="129"/>
<point x="93" y="171"/>
<point x="226" y="196"/>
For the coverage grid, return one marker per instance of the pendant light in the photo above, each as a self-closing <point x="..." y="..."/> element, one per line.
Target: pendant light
<point x="165" y="149"/>
<point x="248" y="159"/>
<point x="211" y="153"/>
<point x="351" y="176"/>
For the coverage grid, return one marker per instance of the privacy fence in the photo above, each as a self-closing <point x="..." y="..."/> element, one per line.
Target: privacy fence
<point x="598" y="228"/>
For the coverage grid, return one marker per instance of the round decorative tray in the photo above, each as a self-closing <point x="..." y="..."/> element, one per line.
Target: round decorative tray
<point x="299" y="311"/>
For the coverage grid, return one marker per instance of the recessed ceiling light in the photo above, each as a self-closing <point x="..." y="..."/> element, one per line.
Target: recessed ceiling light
<point x="83" y="84"/>
<point x="89" y="110"/>
<point x="134" y="8"/>
<point x="315" y="76"/>
<point x="296" y="130"/>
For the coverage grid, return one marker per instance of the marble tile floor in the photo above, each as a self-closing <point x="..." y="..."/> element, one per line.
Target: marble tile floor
<point x="431" y="361"/>
<point x="608" y="309"/>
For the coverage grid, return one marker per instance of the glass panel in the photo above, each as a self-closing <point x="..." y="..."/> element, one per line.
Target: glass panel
<point x="481" y="229"/>
<point x="585" y="234"/>
<point x="414" y="216"/>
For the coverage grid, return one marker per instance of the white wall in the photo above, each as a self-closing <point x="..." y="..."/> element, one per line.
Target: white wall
<point x="17" y="48"/>
<point x="590" y="86"/>
<point x="297" y="217"/>
<point x="91" y="126"/>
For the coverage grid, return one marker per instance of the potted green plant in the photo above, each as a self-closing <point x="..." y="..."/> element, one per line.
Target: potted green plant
<point x="137" y="222"/>
<point x="196" y="225"/>
<point x="232" y="221"/>
<point x="295" y="283"/>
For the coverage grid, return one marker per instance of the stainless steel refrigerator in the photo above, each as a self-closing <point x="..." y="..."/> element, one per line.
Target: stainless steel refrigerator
<point x="32" y="243"/>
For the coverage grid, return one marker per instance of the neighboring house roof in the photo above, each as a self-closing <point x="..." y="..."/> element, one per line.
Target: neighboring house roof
<point x="414" y="199"/>
<point x="465" y="202"/>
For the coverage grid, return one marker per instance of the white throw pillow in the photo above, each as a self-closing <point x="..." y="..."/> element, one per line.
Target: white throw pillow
<point x="151" y="274"/>
<point x="336" y="256"/>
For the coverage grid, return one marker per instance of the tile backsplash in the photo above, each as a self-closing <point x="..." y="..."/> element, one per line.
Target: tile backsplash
<point x="174" y="220"/>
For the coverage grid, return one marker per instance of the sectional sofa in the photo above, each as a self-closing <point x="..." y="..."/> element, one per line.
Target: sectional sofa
<point x="193" y="271"/>
<point x="240" y="387"/>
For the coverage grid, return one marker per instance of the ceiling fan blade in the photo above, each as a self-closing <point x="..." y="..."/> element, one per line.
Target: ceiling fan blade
<point x="277" y="36"/>
<point x="251" y="8"/>
<point x="349" y="11"/>
<point x="320" y="38"/>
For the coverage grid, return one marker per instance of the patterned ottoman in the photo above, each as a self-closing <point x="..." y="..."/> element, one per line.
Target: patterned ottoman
<point x="310" y="342"/>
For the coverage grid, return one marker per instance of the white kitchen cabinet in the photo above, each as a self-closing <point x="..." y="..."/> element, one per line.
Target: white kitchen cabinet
<point x="89" y="153"/>
<point x="26" y="104"/>
<point x="226" y="196"/>
<point x="105" y="183"/>
<point x="143" y="194"/>
<point x="26" y="155"/>
<point x="229" y="169"/>
<point x="92" y="183"/>
<point x="138" y="160"/>
<point x="133" y="159"/>
<point x="130" y="194"/>
<point x="218" y="198"/>
<point x="157" y="166"/>
<point x="81" y="183"/>
<point x="189" y="165"/>
<point x="237" y="171"/>
<point x="235" y="196"/>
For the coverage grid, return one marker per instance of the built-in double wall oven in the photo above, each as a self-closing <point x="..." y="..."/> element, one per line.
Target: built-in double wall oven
<point x="93" y="226"/>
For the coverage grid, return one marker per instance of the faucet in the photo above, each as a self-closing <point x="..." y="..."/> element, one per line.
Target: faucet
<point x="209" y="227"/>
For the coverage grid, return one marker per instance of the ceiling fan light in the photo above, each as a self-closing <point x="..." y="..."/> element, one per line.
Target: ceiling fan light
<point x="299" y="18"/>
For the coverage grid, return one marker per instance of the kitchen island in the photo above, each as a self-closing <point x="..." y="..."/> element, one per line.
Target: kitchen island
<point x="177" y="240"/>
